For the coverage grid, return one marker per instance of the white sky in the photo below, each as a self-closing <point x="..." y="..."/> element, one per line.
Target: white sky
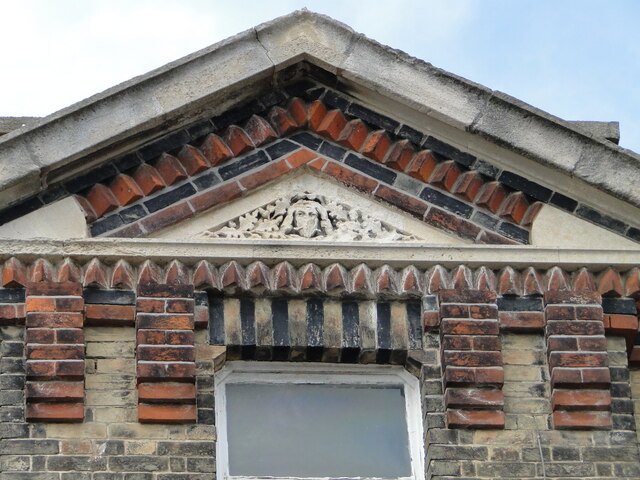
<point x="577" y="59"/>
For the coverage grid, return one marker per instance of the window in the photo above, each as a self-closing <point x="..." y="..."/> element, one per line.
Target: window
<point x="283" y="420"/>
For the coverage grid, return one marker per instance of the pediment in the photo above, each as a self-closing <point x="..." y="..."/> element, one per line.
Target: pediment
<point x="306" y="207"/>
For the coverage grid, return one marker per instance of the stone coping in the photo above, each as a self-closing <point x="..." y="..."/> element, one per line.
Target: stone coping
<point x="107" y="124"/>
<point x="322" y="253"/>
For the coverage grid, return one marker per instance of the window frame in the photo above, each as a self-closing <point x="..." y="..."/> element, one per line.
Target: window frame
<point x="304" y="373"/>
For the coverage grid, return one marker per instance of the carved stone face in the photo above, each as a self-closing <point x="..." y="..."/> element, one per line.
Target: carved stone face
<point x="306" y="220"/>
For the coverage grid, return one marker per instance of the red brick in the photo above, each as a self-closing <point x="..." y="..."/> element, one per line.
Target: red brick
<point x="54" y="352"/>
<point x="69" y="335"/>
<point x="102" y="200"/>
<point x="589" y="312"/>
<point x="475" y="398"/>
<point x="268" y="173"/>
<point x="468" y="186"/>
<point x="399" y="155"/>
<point x="490" y="238"/>
<point x="576" y="359"/>
<point x="485" y="376"/>
<point x="70" y="369"/>
<point x="476" y="342"/>
<point x="150" y="337"/>
<point x="161" y="290"/>
<point x="572" y="400"/>
<point x="404" y="202"/>
<point x="514" y="207"/>
<point x="445" y="175"/>
<point x="170" y="169"/>
<point x="130" y="231"/>
<point x="483" y="312"/>
<point x="349" y="177"/>
<point x="580" y="377"/>
<point x="150" y="305"/>
<point x="166" y="413"/>
<point x="126" y="190"/>
<point x="582" y="420"/>
<point x="521" y="321"/>
<point x="282" y="121"/>
<point x="454" y="311"/>
<point x="332" y="124"/>
<point x="167" y="392"/>
<point x="353" y="134"/>
<point x="215" y="150"/>
<point x="610" y="284"/>
<point x="169" y="322"/>
<point x="623" y="322"/>
<point x="259" y="130"/>
<point x="431" y="319"/>
<point x="166" y="354"/>
<point x="201" y="317"/>
<point x="40" y="335"/>
<point x="592" y="344"/>
<point x="562" y="343"/>
<point x="596" y="377"/>
<point x="166" y="371"/>
<point x="12" y="314"/>
<point x="317" y="164"/>
<point x="574" y="327"/>
<point x="180" y="305"/>
<point x="472" y="359"/>
<point x="14" y="273"/>
<point x="572" y="297"/>
<point x="476" y="419"/>
<point x="467" y="296"/>
<point x="148" y="179"/>
<point x="376" y="146"/>
<point x="179" y="337"/>
<point x="55" y="412"/>
<point x="489" y="376"/>
<point x="560" y="312"/>
<point x="237" y="140"/>
<point x="531" y="214"/>
<point x="192" y="160"/>
<point x="298" y="111"/>
<point x="316" y="114"/>
<point x="446" y="221"/>
<point x="300" y="157"/>
<point x="422" y="166"/>
<point x="470" y="327"/>
<point x="55" y="320"/>
<point x="167" y="217"/>
<point x="491" y="196"/>
<point x="54" y="304"/>
<point x="110" y="315"/>
<point x="54" y="391"/>
<point x="211" y="198"/>
<point x="89" y="213"/>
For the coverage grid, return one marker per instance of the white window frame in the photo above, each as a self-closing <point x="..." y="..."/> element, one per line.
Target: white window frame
<point x="316" y="373"/>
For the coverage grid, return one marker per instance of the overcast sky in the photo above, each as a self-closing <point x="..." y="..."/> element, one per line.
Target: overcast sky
<point x="577" y="59"/>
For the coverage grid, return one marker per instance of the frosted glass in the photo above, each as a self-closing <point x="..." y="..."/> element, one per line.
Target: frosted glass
<point x="300" y="430"/>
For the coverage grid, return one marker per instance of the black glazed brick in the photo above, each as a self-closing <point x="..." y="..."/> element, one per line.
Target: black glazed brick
<point x="350" y="325"/>
<point x="414" y="318"/>
<point x="372" y="117"/>
<point x="333" y="100"/>
<point x="315" y="322"/>
<point x="106" y="224"/>
<point x="331" y="150"/>
<point x="11" y="295"/>
<point x="200" y="129"/>
<point x="314" y="94"/>
<point x="486" y="169"/>
<point x="206" y="180"/>
<point x="370" y="168"/>
<point x="624" y="306"/>
<point x="272" y="98"/>
<point x="445" y="201"/>
<point x="634" y="234"/>
<point x="133" y="213"/>
<point x="532" y="189"/>
<point x="216" y="321"/>
<point x="308" y="140"/>
<point x="485" y="220"/>
<point x="128" y="162"/>
<point x="298" y="88"/>
<point x="16" y="211"/>
<point x="168" y="143"/>
<point x="606" y="221"/>
<point x="168" y="198"/>
<point x="109" y="297"/>
<point x="248" y="321"/>
<point x="430" y="303"/>
<point x="520" y="304"/>
<point x="514" y="232"/>
<point x="240" y="166"/>
<point x="563" y="202"/>
<point x="411" y="134"/>
<point x="384" y="325"/>
<point x="237" y="114"/>
<point x="280" y="315"/>
<point x="53" y="193"/>
<point x="449" y="151"/>
<point x="89" y="179"/>
<point x="281" y="148"/>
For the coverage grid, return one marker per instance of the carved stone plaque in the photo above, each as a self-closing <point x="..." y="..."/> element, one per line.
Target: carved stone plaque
<point x="309" y="216"/>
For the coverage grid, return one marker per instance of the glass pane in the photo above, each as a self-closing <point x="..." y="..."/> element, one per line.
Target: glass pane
<point x="317" y="430"/>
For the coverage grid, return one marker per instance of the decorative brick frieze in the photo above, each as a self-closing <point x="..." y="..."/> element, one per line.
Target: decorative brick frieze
<point x="578" y="360"/>
<point x="472" y="361"/>
<point x="165" y="353"/>
<point x="54" y="352"/>
<point x="316" y="329"/>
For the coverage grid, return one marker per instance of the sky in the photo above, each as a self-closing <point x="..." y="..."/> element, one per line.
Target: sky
<point x="576" y="59"/>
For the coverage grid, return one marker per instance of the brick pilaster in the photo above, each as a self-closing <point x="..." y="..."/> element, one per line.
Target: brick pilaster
<point x="578" y="360"/>
<point x="165" y="353"/>
<point x="471" y="359"/>
<point x="55" y="352"/>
